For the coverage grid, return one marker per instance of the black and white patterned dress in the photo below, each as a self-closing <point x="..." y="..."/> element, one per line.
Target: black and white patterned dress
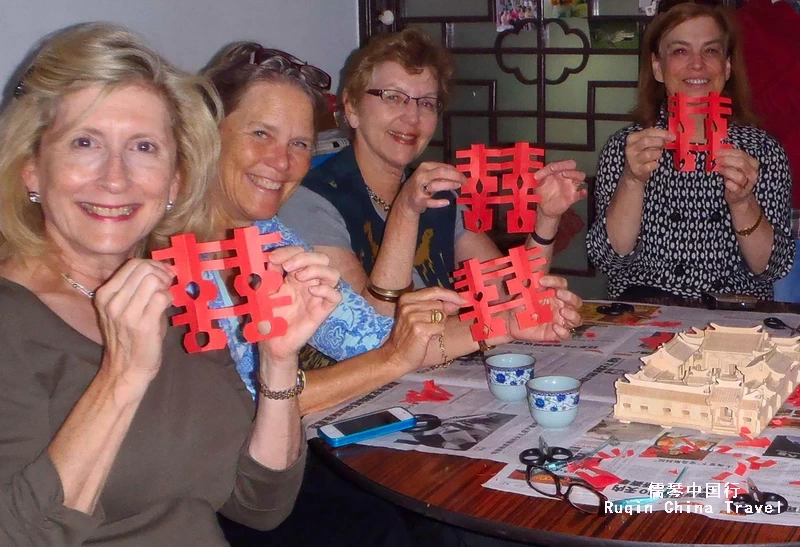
<point x="686" y="244"/>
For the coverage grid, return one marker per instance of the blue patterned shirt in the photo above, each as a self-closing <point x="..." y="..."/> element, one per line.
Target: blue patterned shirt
<point x="353" y="328"/>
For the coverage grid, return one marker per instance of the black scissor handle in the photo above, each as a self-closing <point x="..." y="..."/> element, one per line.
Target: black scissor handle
<point x="775" y="323"/>
<point x="615" y="308"/>
<point x="743" y="503"/>
<point x="747" y="503"/>
<point x="532" y="456"/>
<point x="778" y="502"/>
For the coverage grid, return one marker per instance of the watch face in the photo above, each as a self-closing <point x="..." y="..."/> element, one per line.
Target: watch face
<point x="301" y="380"/>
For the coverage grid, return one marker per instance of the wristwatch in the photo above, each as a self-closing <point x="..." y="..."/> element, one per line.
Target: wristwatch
<point x="284" y="393"/>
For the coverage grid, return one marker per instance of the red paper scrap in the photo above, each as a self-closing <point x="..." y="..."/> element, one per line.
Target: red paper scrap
<point x="629" y="453"/>
<point x="722" y="476"/>
<point x="794" y="398"/>
<point x="598" y="478"/>
<point x="430" y="393"/>
<point x="722" y="449"/>
<point x="794" y="483"/>
<point x="740" y="469"/>
<point x="590" y="335"/>
<point x="483" y="166"/>
<point x="254" y="283"/>
<point x="674" y="471"/>
<point x="657" y="340"/>
<point x="604" y="455"/>
<point x="665" y="324"/>
<point x="778" y="422"/>
<point x="682" y="111"/>
<point x="650" y="452"/>
<point x="518" y="272"/>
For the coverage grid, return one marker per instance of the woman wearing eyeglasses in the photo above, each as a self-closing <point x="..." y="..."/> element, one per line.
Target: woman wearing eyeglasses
<point x="661" y="231"/>
<point x="386" y="229"/>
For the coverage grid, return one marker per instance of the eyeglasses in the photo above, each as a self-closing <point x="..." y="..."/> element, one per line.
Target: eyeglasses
<point x="577" y="492"/>
<point x="398" y="99"/>
<point x="665" y="5"/>
<point x="312" y="75"/>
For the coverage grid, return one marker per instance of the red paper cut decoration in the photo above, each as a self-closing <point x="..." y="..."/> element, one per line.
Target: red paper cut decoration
<point x="523" y="284"/>
<point x="430" y="393"/>
<point x="254" y="283"/>
<point x="481" y="189"/>
<point x="682" y="112"/>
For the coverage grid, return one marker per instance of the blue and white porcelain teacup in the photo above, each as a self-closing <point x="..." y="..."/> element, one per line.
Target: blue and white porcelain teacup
<point x="507" y="375"/>
<point x="553" y="400"/>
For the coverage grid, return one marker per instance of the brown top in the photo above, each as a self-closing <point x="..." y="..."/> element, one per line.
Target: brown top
<point x="182" y="459"/>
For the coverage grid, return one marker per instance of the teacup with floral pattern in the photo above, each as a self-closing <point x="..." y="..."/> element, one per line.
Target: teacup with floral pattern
<point x="553" y="400"/>
<point x="507" y="375"/>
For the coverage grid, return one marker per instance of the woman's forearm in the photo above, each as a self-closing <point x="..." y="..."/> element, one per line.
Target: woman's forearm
<point x="624" y="215"/>
<point x="395" y="262"/>
<point x="276" y="436"/>
<point x="85" y="447"/>
<point x="329" y="386"/>
<point x="756" y="248"/>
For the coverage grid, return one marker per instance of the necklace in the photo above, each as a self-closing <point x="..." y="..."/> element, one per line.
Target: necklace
<point x="377" y="199"/>
<point x="77" y="286"/>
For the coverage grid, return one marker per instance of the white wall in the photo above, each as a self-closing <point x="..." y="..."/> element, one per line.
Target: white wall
<point x="189" y="32"/>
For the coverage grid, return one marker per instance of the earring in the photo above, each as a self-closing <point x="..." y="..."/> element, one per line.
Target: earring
<point x="170" y="205"/>
<point x="33" y="196"/>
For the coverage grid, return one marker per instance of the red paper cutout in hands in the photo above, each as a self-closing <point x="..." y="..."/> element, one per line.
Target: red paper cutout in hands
<point x="681" y="122"/>
<point x="481" y="189"/>
<point x="254" y="283"/>
<point x="523" y="284"/>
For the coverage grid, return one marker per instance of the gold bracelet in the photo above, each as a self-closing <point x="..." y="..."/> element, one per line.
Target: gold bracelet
<point x="445" y="361"/>
<point x="747" y="231"/>
<point x="388" y="295"/>
<point x="284" y="394"/>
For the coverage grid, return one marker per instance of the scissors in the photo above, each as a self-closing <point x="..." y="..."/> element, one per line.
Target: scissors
<point x="777" y="323"/>
<point x="645" y="500"/>
<point x="549" y="457"/>
<point x="615" y="308"/>
<point x="758" y="501"/>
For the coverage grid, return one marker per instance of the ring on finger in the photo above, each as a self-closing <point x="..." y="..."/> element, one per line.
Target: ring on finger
<point x="338" y="286"/>
<point x="425" y="189"/>
<point x="437" y="316"/>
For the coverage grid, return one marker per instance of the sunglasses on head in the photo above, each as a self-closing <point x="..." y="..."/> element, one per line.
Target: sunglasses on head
<point x="312" y="75"/>
<point x="665" y="5"/>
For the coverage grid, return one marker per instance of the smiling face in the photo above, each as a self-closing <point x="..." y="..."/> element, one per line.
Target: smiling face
<point x="105" y="172"/>
<point x="393" y="135"/>
<point x="692" y="58"/>
<point x="266" y="152"/>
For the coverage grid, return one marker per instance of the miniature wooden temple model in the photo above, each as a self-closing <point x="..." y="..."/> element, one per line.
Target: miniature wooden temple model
<point x="718" y="379"/>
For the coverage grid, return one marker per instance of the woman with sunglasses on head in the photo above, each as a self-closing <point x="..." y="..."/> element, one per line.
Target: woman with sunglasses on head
<point x="270" y="101"/>
<point x="110" y="433"/>
<point x="662" y="231"/>
<point x="389" y="230"/>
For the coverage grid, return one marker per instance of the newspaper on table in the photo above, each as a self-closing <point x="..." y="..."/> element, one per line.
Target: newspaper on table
<point x="648" y="458"/>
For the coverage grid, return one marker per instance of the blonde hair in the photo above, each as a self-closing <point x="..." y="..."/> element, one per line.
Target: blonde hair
<point x="111" y="56"/>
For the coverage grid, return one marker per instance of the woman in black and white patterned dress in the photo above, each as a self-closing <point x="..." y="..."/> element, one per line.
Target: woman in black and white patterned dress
<point x="661" y="230"/>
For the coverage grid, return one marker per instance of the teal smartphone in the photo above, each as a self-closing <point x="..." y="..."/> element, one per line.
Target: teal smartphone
<point x="367" y="426"/>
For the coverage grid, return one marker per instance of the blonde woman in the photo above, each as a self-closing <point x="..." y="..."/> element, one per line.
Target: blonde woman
<point x="110" y="433"/>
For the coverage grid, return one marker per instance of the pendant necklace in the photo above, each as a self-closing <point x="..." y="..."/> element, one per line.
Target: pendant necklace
<point x="77" y="286"/>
